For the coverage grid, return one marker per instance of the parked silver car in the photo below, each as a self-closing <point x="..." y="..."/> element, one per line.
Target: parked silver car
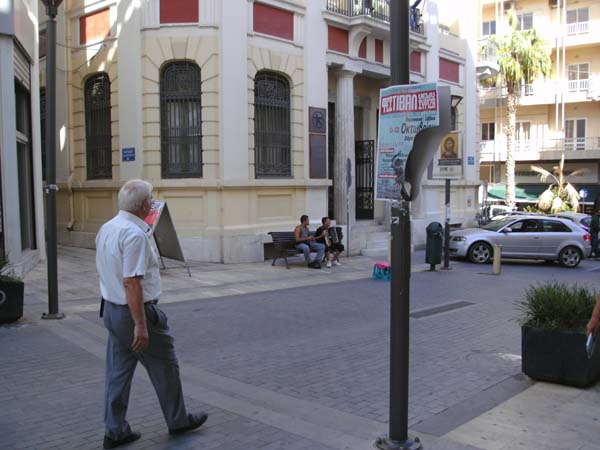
<point x="527" y="237"/>
<point x="583" y="220"/>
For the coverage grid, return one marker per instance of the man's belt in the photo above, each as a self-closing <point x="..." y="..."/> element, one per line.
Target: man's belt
<point x="102" y="301"/>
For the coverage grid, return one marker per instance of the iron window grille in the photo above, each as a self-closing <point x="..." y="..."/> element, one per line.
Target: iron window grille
<point x="181" y="120"/>
<point x="272" y="126"/>
<point x="98" y="136"/>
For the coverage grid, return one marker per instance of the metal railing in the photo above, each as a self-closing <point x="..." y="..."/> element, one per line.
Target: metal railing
<point x="578" y="28"/>
<point x="377" y="9"/>
<point x="498" y="146"/>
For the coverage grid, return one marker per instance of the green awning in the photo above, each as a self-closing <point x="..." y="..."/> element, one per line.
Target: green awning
<point x="498" y="192"/>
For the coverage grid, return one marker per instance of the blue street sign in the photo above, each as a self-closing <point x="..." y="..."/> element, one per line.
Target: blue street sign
<point x="128" y="153"/>
<point x="471" y="160"/>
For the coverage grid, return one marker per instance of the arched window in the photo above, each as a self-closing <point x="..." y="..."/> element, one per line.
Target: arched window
<point x="98" y="139"/>
<point x="272" y="126"/>
<point x="181" y="120"/>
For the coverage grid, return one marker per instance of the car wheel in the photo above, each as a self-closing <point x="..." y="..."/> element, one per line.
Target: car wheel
<point x="569" y="257"/>
<point x="480" y="253"/>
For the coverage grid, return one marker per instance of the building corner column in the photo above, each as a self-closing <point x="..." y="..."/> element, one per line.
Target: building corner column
<point x="344" y="198"/>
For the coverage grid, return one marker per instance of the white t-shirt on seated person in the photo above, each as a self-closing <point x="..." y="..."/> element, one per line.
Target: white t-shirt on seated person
<point x="123" y="250"/>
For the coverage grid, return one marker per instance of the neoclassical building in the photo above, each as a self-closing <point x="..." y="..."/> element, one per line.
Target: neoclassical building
<point x="243" y="114"/>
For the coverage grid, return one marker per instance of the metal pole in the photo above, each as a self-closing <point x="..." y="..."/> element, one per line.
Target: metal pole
<point x="51" y="187"/>
<point x="398" y="438"/>
<point x="447" y="228"/>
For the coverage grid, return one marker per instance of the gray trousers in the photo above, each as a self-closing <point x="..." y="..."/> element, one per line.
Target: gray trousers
<point x="159" y="359"/>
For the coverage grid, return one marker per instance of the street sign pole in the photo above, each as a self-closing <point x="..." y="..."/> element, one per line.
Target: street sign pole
<point x="398" y="438"/>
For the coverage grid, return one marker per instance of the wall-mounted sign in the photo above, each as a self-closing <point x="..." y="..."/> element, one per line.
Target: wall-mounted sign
<point x="317" y="120"/>
<point x="404" y="111"/>
<point x="128" y="153"/>
<point x="448" y="163"/>
<point x="471" y="160"/>
<point x="318" y="155"/>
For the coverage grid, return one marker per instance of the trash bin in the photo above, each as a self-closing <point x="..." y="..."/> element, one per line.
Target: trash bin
<point x="434" y="244"/>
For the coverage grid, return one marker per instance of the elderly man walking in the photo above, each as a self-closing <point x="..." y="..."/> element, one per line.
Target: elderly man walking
<point x="137" y="329"/>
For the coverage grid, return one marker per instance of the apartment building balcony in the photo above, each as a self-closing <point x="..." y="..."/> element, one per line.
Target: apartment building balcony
<point x="541" y="149"/>
<point x="371" y="12"/>
<point x="579" y="34"/>
<point x="544" y="92"/>
<point x="487" y="61"/>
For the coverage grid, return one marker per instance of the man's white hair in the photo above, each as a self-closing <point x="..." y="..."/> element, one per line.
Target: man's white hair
<point x="133" y="194"/>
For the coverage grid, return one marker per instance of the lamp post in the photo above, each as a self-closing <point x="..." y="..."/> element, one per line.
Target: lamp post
<point x="454" y="101"/>
<point x="51" y="188"/>
<point x="398" y="438"/>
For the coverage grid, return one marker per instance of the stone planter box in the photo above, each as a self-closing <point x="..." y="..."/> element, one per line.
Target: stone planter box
<point x="11" y="300"/>
<point x="558" y="357"/>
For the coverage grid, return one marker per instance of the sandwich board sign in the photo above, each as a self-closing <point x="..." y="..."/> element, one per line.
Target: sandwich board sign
<point x="404" y="111"/>
<point x="164" y="233"/>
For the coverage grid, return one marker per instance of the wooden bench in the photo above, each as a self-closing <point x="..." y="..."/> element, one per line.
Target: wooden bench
<point x="285" y="244"/>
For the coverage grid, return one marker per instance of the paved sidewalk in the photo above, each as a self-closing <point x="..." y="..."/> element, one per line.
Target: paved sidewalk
<point x="297" y="359"/>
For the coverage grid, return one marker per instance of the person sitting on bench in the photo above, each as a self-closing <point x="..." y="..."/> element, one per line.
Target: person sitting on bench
<point x="305" y="242"/>
<point x="327" y="235"/>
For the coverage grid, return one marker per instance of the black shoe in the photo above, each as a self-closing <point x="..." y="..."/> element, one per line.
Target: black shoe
<point x="113" y="443"/>
<point x="196" y="420"/>
<point x="314" y="265"/>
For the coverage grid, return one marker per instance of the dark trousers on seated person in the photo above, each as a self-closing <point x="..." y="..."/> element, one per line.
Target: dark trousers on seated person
<point x="159" y="359"/>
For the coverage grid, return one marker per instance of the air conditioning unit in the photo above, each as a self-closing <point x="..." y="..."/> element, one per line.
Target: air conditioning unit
<point x="508" y="5"/>
<point x="553" y="3"/>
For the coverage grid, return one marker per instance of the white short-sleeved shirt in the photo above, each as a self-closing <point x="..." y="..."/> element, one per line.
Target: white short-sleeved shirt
<point x="123" y="250"/>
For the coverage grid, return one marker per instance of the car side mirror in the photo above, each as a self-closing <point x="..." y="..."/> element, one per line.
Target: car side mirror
<point x="507" y="230"/>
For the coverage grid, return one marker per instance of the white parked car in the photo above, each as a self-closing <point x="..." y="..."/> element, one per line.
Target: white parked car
<point x="526" y="237"/>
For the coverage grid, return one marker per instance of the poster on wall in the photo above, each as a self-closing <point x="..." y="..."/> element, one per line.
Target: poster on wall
<point x="448" y="162"/>
<point x="404" y="111"/>
<point x="165" y="236"/>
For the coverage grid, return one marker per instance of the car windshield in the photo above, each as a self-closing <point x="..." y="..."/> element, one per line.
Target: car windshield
<point x="497" y="224"/>
<point x="587" y="221"/>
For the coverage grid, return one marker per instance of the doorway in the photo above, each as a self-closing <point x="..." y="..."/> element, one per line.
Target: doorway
<point x="25" y="167"/>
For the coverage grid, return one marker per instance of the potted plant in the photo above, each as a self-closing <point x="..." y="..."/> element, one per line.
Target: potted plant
<point x="11" y="294"/>
<point x="553" y="338"/>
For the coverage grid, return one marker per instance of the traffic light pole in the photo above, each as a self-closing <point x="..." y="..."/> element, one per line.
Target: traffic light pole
<point x="398" y="438"/>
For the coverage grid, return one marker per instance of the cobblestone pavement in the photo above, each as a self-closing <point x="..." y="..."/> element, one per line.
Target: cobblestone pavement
<point x="298" y="368"/>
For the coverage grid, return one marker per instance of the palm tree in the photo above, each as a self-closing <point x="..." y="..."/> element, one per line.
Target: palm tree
<point x="560" y="195"/>
<point x="523" y="56"/>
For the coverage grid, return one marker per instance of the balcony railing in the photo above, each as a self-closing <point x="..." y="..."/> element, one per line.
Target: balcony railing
<point x="578" y="28"/>
<point x="579" y="85"/>
<point x="498" y="146"/>
<point x="377" y="9"/>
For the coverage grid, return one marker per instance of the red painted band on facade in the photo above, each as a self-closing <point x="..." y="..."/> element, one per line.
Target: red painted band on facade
<point x="337" y="39"/>
<point x="273" y="21"/>
<point x="179" y="11"/>
<point x="362" y="50"/>
<point x="410" y="102"/>
<point x="449" y="70"/>
<point x="379" y="50"/>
